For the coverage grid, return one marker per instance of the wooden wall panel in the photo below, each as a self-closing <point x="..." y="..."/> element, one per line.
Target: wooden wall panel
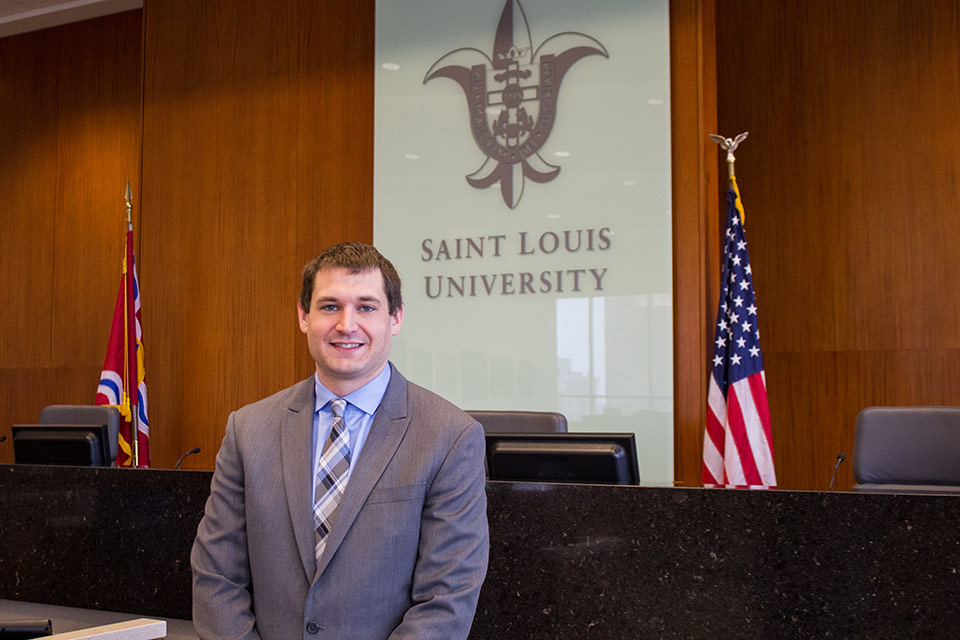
<point x="853" y="379"/>
<point x="696" y="224"/>
<point x="257" y="140"/>
<point x="849" y="183"/>
<point x="258" y="145"/>
<point x="219" y="213"/>
<point x="70" y="129"/>
<point x="27" y="390"/>
<point x="335" y="132"/>
<point x="98" y="150"/>
<point x="28" y="178"/>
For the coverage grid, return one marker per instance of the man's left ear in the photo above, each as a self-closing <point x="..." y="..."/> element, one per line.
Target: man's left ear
<point x="396" y="321"/>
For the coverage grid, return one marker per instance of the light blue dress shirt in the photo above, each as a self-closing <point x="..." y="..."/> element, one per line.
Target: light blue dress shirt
<point x="357" y="416"/>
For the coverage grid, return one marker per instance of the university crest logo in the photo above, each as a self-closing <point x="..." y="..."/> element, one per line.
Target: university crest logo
<point x="512" y="98"/>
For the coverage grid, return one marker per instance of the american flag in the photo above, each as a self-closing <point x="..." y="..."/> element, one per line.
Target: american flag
<point x="737" y="445"/>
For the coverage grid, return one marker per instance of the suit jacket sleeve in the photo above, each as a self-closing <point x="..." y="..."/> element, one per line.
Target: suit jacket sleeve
<point x="221" y="567"/>
<point x="454" y="546"/>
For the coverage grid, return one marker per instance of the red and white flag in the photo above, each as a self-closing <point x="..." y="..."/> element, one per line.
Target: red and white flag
<point x="737" y="445"/>
<point x="123" y="364"/>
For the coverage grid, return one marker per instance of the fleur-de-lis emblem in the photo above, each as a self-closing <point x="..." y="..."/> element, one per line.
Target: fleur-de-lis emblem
<point x="512" y="98"/>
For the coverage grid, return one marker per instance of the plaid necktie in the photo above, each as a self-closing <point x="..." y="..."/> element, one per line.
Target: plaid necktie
<point x="333" y="472"/>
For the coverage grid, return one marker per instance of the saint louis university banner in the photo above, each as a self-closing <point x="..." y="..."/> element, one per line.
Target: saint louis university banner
<point x="522" y="189"/>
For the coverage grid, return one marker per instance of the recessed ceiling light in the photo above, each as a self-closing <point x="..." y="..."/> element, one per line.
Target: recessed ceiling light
<point x="391" y="66"/>
<point x="629" y="183"/>
<point x="411" y="156"/>
<point x="562" y="154"/>
<point x="655" y="101"/>
<point x="553" y="216"/>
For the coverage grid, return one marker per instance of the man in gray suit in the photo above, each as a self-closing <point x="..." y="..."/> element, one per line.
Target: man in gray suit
<point x="350" y="505"/>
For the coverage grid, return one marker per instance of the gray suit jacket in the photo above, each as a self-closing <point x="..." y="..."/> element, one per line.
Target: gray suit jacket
<point x="408" y="550"/>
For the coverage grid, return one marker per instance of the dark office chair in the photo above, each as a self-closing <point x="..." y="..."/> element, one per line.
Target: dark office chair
<point x="907" y="450"/>
<point x="86" y="414"/>
<point x="25" y="629"/>
<point x="520" y="421"/>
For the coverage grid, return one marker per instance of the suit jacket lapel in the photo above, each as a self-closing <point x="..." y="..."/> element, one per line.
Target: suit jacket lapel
<point x="389" y="424"/>
<point x="296" y="438"/>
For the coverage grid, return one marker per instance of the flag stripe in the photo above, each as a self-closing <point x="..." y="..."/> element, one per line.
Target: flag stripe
<point x="714" y="438"/>
<point x="716" y="410"/>
<point x="739" y="423"/>
<point x="110" y="388"/>
<point x="758" y="431"/>
<point x="758" y="387"/>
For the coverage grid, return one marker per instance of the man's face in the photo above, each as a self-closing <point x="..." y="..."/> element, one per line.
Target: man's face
<point x="348" y="327"/>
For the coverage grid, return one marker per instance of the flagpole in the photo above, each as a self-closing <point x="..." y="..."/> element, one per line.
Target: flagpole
<point x="132" y="382"/>
<point x="738" y="441"/>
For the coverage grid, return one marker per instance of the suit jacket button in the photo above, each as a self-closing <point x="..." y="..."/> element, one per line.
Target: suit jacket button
<point x="312" y="627"/>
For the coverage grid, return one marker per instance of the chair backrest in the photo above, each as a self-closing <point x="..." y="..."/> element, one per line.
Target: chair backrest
<point x="86" y="414"/>
<point x="907" y="450"/>
<point x="520" y="421"/>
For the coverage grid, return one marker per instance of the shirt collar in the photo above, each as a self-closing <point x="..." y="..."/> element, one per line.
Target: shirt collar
<point x="367" y="398"/>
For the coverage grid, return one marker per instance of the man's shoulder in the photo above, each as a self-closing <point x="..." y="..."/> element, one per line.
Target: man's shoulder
<point x="290" y="398"/>
<point x="438" y="427"/>
<point x="423" y="403"/>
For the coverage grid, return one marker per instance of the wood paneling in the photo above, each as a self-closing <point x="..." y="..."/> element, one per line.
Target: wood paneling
<point x="335" y="133"/>
<point x="98" y="150"/>
<point x="849" y="179"/>
<point x="695" y="223"/>
<point x="850" y="380"/>
<point x="219" y="213"/>
<point x="28" y="178"/>
<point x="258" y="153"/>
<point x="70" y="99"/>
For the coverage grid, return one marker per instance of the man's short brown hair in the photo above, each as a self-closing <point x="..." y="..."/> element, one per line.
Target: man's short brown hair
<point x="355" y="257"/>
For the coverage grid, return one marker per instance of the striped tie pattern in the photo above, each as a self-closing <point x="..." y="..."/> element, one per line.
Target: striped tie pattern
<point x="333" y="472"/>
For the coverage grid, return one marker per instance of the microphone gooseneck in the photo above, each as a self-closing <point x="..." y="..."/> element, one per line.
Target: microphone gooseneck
<point x="188" y="453"/>
<point x="840" y="458"/>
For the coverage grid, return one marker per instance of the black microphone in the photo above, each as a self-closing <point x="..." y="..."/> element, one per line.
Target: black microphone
<point x="188" y="453"/>
<point x="840" y="458"/>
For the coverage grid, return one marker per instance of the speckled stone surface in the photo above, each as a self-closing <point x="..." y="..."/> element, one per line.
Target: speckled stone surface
<point x="109" y="539"/>
<point x="566" y="562"/>
<point x="628" y="562"/>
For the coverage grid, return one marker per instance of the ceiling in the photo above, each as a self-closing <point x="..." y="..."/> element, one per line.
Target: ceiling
<point x="20" y="16"/>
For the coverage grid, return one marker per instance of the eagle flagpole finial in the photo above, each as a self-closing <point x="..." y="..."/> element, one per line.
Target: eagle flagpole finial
<point x="730" y="144"/>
